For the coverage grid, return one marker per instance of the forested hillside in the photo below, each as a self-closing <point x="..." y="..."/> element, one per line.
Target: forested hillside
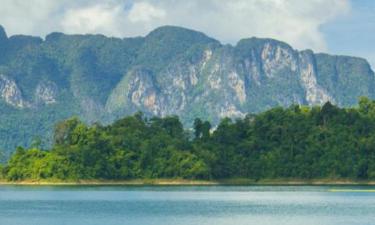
<point x="170" y="71"/>
<point x="295" y="142"/>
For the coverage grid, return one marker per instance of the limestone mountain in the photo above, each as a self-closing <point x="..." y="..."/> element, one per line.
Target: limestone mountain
<point x="172" y="70"/>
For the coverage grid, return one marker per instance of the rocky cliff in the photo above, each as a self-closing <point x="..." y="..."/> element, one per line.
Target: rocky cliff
<point x="170" y="71"/>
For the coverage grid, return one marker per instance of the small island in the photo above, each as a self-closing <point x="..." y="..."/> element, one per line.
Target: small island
<point x="296" y="145"/>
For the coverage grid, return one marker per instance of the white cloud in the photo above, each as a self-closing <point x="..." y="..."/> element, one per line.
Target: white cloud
<point x="27" y="17"/>
<point x="93" y="19"/>
<point x="145" y="12"/>
<point x="294" y="21"/>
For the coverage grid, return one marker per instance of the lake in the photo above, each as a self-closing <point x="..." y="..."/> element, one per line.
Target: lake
<point x="213" y="205"/>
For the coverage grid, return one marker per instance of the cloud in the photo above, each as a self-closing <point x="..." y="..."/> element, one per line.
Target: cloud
<point x="93" y="19"/>
<point x="27" y="17"/>
<point x="294" y="21"/>
<point x="145" y="12"/>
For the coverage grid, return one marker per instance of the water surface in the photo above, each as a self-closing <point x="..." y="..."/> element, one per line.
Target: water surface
<point x="216" y="205"/>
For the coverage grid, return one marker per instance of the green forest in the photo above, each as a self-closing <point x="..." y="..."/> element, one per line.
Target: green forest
<point x="298" y="142"/>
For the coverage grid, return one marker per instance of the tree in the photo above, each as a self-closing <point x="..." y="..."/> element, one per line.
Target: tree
<point x="296" y="142"/>
<point x="201" y="129"/>
<point x="198" y="128"/>
<point x="63" y="131"/>
<point x="36" y="142"/>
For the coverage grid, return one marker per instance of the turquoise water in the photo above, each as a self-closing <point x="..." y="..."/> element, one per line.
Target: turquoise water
<point x="219" y="205"/>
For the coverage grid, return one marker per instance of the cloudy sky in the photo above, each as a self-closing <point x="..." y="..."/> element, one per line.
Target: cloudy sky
<point x="334" y="26"/>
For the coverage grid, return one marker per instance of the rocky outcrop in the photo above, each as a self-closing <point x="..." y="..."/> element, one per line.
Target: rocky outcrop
<point x="136" y="91"/>
<point x="10" y="93"/>
<point x="220" y="84"/>
<point x="171" y="71"/>
<point x="314" y="93"/>
<point x="46" y="93"/>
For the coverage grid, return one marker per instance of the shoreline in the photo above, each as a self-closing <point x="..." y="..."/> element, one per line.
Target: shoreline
<point x="185" y="182"/>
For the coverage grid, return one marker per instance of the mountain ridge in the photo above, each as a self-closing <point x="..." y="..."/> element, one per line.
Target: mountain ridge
<point x="171" y="70"/>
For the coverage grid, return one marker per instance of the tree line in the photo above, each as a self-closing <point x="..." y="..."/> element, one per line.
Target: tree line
<point x="296" y="142"/>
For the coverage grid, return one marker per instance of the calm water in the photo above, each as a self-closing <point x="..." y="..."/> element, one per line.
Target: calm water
<point x="185" y="205"/>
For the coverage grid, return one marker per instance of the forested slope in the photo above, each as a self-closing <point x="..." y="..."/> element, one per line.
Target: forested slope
<point x="295" y="142"/>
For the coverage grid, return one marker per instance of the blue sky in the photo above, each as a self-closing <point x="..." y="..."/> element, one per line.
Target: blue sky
<point x="334" y="26"/>
<point x="354" y="33"/>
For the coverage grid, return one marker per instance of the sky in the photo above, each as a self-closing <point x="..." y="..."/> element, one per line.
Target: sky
<point x="345" y="27"/>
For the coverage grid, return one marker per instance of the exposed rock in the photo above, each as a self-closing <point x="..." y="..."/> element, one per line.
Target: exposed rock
<point x="10" y="93"/>
<point x="46" y="93"/>
<point x="230" y="111"/>
<point x="238" y="86"/>
<point x="138" y="89"/>
<point x="315" y="95"/>
<point x="170" y="71"/>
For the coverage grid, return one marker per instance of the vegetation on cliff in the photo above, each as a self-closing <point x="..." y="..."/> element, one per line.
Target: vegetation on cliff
<point x="170" y="71"/>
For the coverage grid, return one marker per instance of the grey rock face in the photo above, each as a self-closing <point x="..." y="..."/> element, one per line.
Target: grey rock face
<point x="228" y="81"/>
<point x="46" y="93"/>
<point x="170" y="71"/>
<point x="225" y="82"/>
<point x="10" y="93"/>
<point x="314" y="93"/>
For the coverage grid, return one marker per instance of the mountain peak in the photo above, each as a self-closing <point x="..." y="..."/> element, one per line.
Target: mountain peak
<point x="170" y="33"/>
<point x="171" y="71"/>
<point x="3" y="35"/>
<point x="54" y="36"/>
<point x="166" y="43"/>
<point x="170" y="28"/>
<point x="256" y="42"/>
